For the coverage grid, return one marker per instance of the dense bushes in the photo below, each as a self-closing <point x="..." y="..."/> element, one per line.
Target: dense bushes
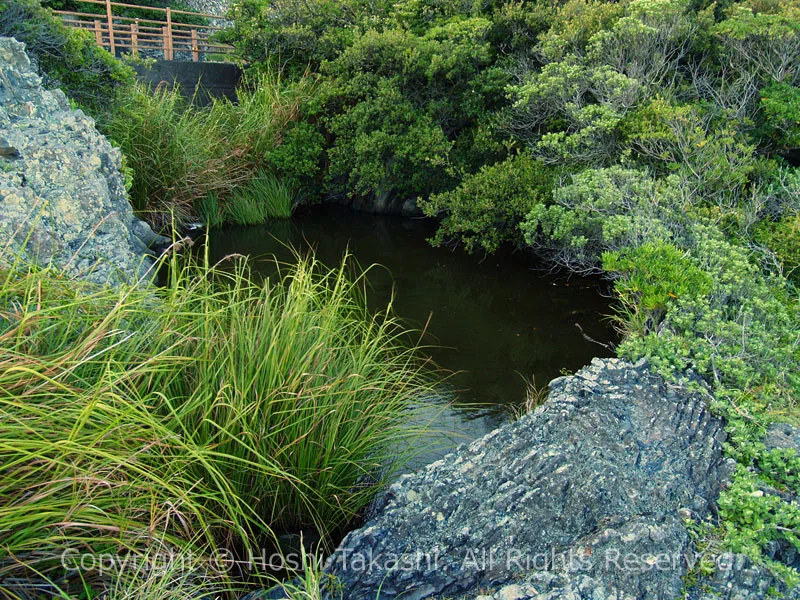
<point x="407" y="90"/>
<point x="486" y="208"/>
<point x="650" y="140"/>
<point x="214" y="414"/>
<point x="783" y="238"/>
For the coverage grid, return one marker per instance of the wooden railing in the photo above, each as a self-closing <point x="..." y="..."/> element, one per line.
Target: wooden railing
<point x="117" y="33"/>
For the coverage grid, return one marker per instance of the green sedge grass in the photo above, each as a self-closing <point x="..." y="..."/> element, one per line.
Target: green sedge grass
<point x="181" y="154"/>
<point x="209" y="414"/>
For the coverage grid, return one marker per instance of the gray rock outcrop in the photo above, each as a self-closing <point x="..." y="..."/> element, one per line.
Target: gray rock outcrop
<point x="782" y="436"/>
<point x="583" y="498"/>
<point x="217" y="8"/>
<point x="62" y="196"/>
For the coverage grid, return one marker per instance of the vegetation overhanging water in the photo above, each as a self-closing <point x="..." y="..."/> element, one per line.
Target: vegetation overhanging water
<point x="655" y="141"/>
<point x="499" y="323"/>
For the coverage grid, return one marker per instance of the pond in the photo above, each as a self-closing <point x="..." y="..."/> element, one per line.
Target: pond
<point x="496" y="321"/>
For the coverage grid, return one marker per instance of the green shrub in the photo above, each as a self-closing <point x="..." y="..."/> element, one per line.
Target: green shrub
<point x="604" y="210"/>
<point x="298" y="158"/>
<point x="780" y="105"/>
<point x="386" y="146"/>
<point x="739" y="334"/>
<point x="295" y="34"/>
<point x="574" y="23"/>
<point x="651" y="277"/>
<point x="762" y="44"/>
<point x="485" y="210"/>
<point x="752" y="519"/>
<point x="783" y="238"/>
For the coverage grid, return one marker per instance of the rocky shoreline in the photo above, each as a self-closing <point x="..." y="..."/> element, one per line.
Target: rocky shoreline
<point x="587" y="497"/>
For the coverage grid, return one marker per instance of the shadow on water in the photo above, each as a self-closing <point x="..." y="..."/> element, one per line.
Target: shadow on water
<point x="496" y="321"/>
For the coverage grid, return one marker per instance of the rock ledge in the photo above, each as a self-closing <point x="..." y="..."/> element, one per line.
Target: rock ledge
<point x="583" y="498"/>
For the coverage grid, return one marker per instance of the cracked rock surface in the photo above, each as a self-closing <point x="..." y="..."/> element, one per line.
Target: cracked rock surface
<point x="62" y="196"/>
<point x="583" y="498"/>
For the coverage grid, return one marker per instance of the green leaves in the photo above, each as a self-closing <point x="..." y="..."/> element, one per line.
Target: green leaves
<point x="602" y="210"/>
<point x="386" y="146"/>
<point x="650" y="277"/>
<point x="484" y="210"/>
<point x="765" y="45"/>
<point x="752" y="518"/>
<point x="783" y="238"/>
<point x="780" y="105"/>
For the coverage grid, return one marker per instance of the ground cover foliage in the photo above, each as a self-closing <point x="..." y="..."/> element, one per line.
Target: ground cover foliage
<point x="654" y="141"/>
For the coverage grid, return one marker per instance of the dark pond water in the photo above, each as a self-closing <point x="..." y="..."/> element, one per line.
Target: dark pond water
<point x="497" y="320"/>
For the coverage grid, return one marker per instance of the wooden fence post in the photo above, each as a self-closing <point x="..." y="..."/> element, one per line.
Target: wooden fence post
<point x="98" y="33"/>
<point x="165" y="43"/>
<point x="195" y="49"/>
<point x="169" y="33"/>
<point x="109" y="18"/>
<point x="135" y="37"/>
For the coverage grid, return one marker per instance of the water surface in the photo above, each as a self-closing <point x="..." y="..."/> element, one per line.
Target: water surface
<point x="497" y="320"/>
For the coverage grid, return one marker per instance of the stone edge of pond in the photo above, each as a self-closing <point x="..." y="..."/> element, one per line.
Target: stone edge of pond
<point x="586" y="497"/>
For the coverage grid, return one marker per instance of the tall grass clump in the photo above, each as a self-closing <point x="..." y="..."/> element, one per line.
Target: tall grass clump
<point x="210" y="210"/>
<point x="266" y="105"/>
<point x="181" y="154"/>
<point x="211" y="413"/>
<point x="303" y="371"/>
<point x="246" y="208"/>
<point x="262" y="198"/>
<point x="177" y="154"/>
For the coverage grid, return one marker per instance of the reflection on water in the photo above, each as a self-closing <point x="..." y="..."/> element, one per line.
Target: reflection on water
<point x="495" y="320"/>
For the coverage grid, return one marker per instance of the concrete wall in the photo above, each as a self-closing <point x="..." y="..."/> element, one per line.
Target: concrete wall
<point x="206" y="79"/>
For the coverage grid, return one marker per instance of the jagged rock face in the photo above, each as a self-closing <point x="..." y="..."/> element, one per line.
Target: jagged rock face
<point x="62" y="196"/>
<point x="583" y="498"/>
<point x="209" y="7"/>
